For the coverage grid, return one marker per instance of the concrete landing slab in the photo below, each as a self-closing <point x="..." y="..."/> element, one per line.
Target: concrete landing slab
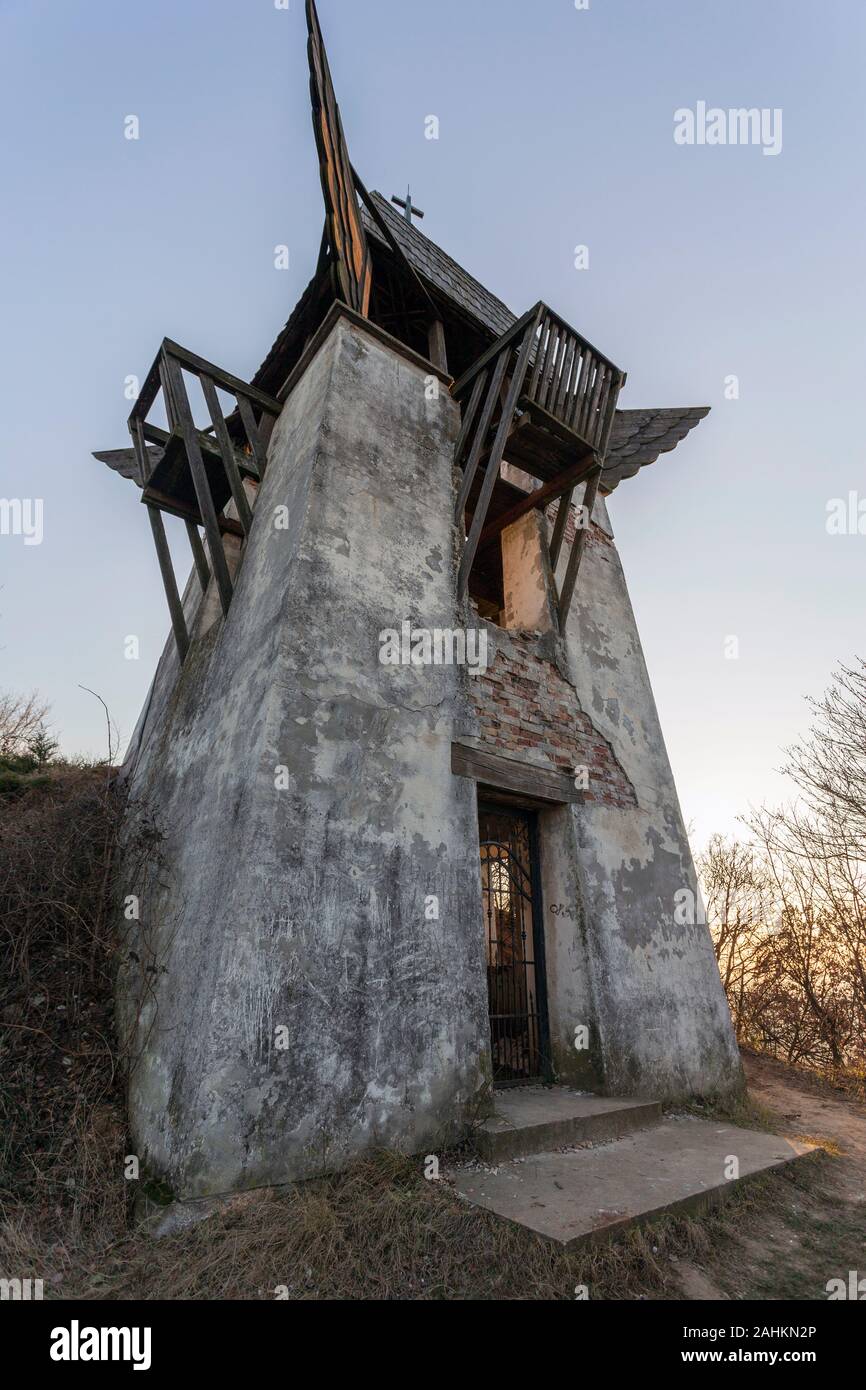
<point x="680" y="1164"/>
<point x="535" y="1119"/>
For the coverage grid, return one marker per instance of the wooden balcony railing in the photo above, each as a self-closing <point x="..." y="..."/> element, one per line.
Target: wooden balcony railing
<point x="546" y="398"/>
<point x="194" y="474"/>
<point x="564" y="376"/>
<point x="575" y="383"/>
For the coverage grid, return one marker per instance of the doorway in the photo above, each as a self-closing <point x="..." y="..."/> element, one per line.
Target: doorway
<point x="514" y="943"/>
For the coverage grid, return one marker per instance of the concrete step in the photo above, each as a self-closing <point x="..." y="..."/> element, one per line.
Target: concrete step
<point x="680" y="1164"/>
<point x="532" y="1119"/>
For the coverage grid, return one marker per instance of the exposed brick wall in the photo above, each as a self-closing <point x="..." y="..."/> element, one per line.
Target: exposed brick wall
<point x="525" y="707"/>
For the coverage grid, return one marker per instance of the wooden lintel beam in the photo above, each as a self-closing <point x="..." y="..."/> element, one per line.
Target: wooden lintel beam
<point x="491" y="769"/>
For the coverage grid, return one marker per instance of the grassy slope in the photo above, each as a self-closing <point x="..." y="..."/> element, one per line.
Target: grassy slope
<point x="381" y="1231"/>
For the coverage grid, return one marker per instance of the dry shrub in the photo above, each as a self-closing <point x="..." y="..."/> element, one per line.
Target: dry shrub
<point x="61" y="1100"/>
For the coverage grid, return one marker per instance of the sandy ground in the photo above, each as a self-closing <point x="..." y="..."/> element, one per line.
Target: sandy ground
<point x="808" y="1228"/>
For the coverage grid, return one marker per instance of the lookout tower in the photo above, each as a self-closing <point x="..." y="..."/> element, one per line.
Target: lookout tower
<point x="393" y="877"/>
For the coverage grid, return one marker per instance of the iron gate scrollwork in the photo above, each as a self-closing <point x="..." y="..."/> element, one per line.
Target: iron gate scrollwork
<point x="511" y="898"/>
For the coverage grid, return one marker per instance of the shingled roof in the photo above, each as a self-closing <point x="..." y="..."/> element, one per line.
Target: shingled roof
<point x="440" y="271"/>
<point x="638" y="438"/>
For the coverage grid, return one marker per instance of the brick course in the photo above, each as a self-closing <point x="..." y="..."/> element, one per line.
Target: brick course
<point x="523" y="704"/>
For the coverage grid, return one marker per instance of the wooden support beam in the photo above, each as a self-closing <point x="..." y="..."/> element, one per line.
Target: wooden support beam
<point x="228" y="452"/>
<point x="198" y="555"/>
<point x="469" y="414"/>
<point x="147" y="395"/>
<point x="153" y="498"/>
<point x="559" y="528"/>
<point x="168" y="393"/>
<point x="207" y="510"/>
<point x="480" y="436"/>
<point x="497" y="451"/>
<point x="142" y="458"/>
<point x="436" y="340"/>
<point x="267" y="425"/>
<point x="577" y="549"/>
<point x="175" y="607"/>
<point x="540" y="497"/>
<point x="254" y="439"/>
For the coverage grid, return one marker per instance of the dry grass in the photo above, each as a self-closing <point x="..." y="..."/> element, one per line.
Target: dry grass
<point x="382" y="1232"/>
<point x="61" y="1101"/>
<point x="849" y="1081"/>
<point x="741" y="1110"/>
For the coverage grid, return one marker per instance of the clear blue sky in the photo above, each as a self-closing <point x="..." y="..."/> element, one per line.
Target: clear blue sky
<point x="556" y="129"/>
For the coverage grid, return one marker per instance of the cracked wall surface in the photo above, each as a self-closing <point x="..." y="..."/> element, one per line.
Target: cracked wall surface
<point x="664" y="1028"/>
<point x="291" y="1000"/>
<point x="298" y="914"/>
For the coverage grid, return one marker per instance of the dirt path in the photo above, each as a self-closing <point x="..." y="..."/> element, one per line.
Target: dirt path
<point x="808" y="1227"/>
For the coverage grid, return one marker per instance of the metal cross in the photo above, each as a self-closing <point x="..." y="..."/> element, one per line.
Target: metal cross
<point x="406" y="203"/>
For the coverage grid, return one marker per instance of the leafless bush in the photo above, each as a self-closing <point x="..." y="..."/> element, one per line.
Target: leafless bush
<point x="21" y="719"/>
<point x="787" y="907"/>
<point x="61" y="1110"/>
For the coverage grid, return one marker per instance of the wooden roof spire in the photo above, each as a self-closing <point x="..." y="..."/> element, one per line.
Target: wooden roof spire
<point x="348" y="242"/>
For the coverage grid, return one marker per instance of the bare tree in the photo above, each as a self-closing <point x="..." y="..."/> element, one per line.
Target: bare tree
<point x="737" y="888"/>
<point x="829" y="765"/>
<point x="21" y="718"/>
<point x="788" y="908"/>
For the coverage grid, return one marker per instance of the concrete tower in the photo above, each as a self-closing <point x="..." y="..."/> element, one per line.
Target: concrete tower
<point x="402" y="825"/>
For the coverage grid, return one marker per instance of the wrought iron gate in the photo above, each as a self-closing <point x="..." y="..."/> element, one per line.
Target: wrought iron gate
<point x="511" y="897"/>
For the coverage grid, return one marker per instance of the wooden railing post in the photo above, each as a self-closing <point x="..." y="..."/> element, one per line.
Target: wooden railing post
<point x="175" y="607"/>
<point x="480" y="436"/>
<point x="185" y="425"/>
<point x="496" y="453"/>
<point x="227" y="450"/>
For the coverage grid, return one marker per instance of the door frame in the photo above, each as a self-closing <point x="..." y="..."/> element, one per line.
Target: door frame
<point x="491" y="804"/>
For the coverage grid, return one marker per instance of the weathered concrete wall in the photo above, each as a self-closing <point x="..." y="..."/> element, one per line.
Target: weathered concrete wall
<point x="295" y="901"/>
<point x="618" y="961"/>
<point x="663" y="1021"/>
